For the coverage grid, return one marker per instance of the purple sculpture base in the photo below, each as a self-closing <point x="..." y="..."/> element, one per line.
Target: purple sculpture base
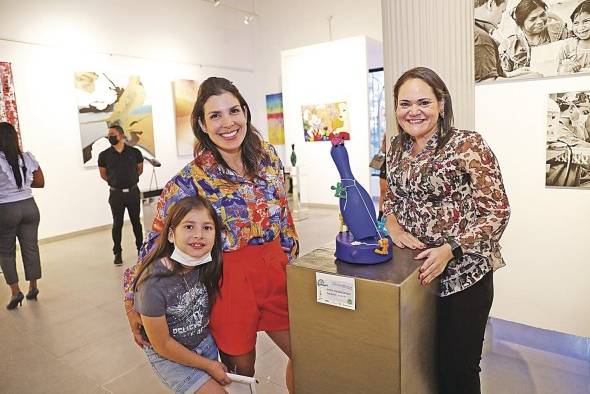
<point x="360" y="254"/>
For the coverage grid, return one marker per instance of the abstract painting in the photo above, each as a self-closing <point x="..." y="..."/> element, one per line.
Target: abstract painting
<point x="105" y="100"/>
<point x="274" y="116"/>
<point x="8" y="112"/>
<point x="184" y="92"/>
<point x="323" y="120"/>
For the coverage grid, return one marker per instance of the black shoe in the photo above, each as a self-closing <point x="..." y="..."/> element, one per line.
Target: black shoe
<point x="118" y="259"/>
<point x="32" y="294"/>
<point x="16" y="300"/>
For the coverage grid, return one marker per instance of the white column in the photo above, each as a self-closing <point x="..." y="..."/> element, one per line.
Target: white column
<point x="437" y="34"/>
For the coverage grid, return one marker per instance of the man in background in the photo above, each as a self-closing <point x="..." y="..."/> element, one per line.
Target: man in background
<point x="120" y="166"/>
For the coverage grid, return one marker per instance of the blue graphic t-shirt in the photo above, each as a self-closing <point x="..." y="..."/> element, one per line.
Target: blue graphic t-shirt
<point x="181" y="298"/>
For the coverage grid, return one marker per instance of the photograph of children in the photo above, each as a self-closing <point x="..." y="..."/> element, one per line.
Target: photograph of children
<point x="515" y="39"/>
<point x="568" y="140"/>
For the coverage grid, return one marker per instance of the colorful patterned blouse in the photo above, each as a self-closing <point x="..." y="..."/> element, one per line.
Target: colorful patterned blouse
<point x="456" y="193"/>
<point x="252" y="211"/>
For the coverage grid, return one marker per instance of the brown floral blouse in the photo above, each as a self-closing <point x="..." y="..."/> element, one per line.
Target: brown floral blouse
<point x="455" y="193"/>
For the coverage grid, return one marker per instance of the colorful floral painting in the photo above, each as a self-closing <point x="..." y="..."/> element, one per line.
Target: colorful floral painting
<point x="274" y="116"/>
<point x="185" y="94"/>
<point x="321" y="121"/>
<point x="8" y="112"/>
<point x="105" y="100"/>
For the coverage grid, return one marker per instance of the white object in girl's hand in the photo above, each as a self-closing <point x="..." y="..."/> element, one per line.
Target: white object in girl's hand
<point x="241" y="384"/>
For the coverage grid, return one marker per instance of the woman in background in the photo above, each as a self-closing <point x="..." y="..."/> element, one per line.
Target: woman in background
<point x="19" y="215"/>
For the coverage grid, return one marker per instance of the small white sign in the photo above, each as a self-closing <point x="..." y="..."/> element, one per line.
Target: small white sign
<point x="335" y="290"/>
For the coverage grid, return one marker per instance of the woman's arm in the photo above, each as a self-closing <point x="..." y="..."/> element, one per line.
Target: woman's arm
<point x="156" y="329"/>
<point x="38" y="178"/>
<point x="487" y="191"/>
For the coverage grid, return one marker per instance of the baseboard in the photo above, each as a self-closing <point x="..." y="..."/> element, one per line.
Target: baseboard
<point x="551" y="341"/>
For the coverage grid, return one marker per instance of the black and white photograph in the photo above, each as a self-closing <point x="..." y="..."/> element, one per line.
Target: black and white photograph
<point x="568" y="140"/>
<point x="516" y="39"/>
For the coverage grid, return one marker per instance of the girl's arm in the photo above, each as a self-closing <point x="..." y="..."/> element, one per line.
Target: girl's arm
<point x="156" y="329"/>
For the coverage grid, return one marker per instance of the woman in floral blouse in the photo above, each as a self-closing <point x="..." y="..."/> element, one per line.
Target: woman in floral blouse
<point x="242" y="177"/>
<point x="445" y="196"/>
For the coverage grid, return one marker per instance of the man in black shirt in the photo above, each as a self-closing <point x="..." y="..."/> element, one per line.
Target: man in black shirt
<point x="120" y="166"/>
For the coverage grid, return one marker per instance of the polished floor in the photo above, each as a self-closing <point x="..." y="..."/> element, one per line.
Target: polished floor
<point x="76" y="339"/>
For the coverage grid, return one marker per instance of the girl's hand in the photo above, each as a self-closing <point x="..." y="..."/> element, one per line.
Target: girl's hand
<point x="435" y="263"/>
<point x="404" y="239"/>
<point x="135" y="324"/>
<point x="571" y="66"/>
<point x="218" y="371"/>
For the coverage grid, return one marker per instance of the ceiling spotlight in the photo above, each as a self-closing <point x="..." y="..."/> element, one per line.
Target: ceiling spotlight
<point x="248" y="19"/>
<point x="216" y="3"/>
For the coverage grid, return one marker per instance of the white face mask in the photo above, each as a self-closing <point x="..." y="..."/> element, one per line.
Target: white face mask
<point x="189" y="261"/>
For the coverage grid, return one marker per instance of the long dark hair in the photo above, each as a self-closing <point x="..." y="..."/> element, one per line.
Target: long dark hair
<point x="9" y="145"/>
<point x="252" y="149"/>
<point x="210" y="273"/>
<point x="445" y="122"/>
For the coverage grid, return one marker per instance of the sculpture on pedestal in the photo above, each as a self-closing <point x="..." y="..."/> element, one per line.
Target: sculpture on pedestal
<point x="363" y="242"/>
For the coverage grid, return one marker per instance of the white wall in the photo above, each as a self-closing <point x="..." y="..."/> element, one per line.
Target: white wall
<point x="75" y="198"/>
<point x="326" y="73"/>
<point x="288" y="24"/>
<point x="546" y="281"/>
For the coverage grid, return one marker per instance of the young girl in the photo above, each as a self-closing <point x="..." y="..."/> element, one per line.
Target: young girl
<point x="174" y="290"/>
<point x="574" y="55"/>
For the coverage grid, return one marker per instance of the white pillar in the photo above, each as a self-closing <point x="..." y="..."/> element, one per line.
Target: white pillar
<point x="437" y="34"/>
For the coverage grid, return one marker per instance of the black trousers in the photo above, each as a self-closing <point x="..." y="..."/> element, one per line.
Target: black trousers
<point x="462" y="319"/>
<point x="118" y="201"/>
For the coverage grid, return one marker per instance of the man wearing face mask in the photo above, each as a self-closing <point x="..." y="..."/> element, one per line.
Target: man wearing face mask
<point x="120" y="166"/>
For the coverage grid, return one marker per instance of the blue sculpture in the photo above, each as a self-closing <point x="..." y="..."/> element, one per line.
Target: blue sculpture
<point x="363" y="242"/>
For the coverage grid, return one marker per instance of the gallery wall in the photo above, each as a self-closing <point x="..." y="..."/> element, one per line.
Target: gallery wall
<point x="331" y="72"/>
<point x="546" y="243"/>
<point x="287" y="24"/>
<point x="65" y="37"/>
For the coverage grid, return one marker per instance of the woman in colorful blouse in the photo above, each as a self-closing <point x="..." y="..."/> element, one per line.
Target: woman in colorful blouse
<point x="445" y="196"/>
<point x="242" y="176"/>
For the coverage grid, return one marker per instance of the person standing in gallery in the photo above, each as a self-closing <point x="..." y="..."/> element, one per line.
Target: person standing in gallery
<point x="446" y="198"/>
<point x="537" y="27"/>
<point x="242" y="176"/>
<point x="120" y="166"/>
<point x="19" y="215"/>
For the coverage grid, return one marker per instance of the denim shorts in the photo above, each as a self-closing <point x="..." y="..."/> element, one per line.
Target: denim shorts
<point x="180" y="378"/>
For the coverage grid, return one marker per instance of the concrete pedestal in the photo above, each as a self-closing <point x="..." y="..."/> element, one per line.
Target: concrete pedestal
<point x="386" y="345"/>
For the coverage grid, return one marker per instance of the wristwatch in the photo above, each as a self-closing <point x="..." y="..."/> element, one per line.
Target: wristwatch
<point x="456" y="249"/>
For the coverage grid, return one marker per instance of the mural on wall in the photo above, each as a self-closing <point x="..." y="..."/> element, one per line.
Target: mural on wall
<point x="321" y="121"/>
<point x="8" y="111"/>
<point x="108" y="99"/>
<point x="184" y="92"/>
<point x="531" y="38"/>
<point x="274" y="117"/>
<point x="568" y="140"/>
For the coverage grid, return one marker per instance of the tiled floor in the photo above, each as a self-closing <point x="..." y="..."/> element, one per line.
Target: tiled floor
<point x="76" y="339"/>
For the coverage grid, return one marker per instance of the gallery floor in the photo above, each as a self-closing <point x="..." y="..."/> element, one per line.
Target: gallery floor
<point x="76" y="339"/>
